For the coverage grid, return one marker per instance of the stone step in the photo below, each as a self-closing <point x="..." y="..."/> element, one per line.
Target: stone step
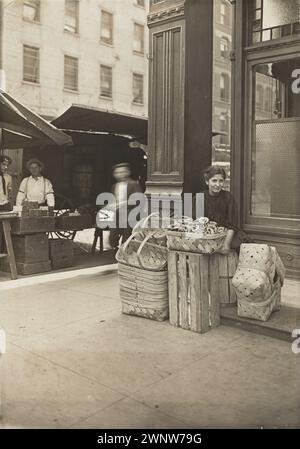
<point x="280" y="325"/>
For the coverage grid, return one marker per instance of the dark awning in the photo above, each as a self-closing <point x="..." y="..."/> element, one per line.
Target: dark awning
<point x="85" y="118"/>
<point x="21" y="127"/>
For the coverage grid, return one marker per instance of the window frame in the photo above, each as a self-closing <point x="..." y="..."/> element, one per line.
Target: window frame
<point x="106" y="66"/>
<point x="253" y="223"/>
<point x="226" y="77"/>
<point x="142" y="76"/>
<point x="138" y="24"/>
<point x="32" y="47"/>
<point x="27" y="19"/>
<point x="77" y="11"/>
<point x="102" y="39"/>
<point x="69" y="89"/>
<point x="140" y="6"/>
<point x="226" y="52"/>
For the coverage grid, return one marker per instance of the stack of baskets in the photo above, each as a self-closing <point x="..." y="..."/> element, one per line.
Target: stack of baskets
<point x="143" y="275"/>
<point x="258" y="281"/>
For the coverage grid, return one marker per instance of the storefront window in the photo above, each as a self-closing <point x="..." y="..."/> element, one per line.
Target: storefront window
<point x="274" y="19"/>
<point x="276" y="140"/>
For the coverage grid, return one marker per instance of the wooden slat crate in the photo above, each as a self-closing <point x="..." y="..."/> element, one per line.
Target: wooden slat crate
<point x="193" y="291"/>
<point x="61" y="253"/>
<point x="31" y="248"/>
<point x="227" y="268"/>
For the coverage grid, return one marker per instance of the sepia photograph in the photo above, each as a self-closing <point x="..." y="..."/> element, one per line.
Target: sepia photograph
<point x="149" y="220"/>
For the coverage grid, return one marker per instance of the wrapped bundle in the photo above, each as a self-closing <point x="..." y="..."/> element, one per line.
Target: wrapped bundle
<point x="258" y="280"/>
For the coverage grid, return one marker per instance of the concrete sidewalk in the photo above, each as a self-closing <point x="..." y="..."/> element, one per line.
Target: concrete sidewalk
<point x="73" y="360"/>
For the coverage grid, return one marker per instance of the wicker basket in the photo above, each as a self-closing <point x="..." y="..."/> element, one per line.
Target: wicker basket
<point x="142" y="253"/>
<point x="261" y="310"/>
<point x="194" y="243"/>
<point x="144" y="293"/>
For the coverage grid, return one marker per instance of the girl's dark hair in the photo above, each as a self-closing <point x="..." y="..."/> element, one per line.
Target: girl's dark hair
<point x="213" y="170"/>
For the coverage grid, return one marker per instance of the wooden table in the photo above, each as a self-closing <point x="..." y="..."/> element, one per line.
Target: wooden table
<point x="5" y="219"/>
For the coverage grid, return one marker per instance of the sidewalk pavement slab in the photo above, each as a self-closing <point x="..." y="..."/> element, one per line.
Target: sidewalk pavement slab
<point x="73" y="360"/>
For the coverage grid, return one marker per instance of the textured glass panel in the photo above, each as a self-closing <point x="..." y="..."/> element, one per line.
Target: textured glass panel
<point x="276" y="33"/>
<point x="266" y="35"/>
<point x="279" y="12"/>
<point x="276" y="169"/>
<point x="256" y="37"/>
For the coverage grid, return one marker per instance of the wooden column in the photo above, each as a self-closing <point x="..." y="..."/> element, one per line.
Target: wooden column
<point x="180" y="95"/>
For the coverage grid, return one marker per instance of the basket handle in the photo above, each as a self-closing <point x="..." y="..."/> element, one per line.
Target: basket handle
<point x="141" y="247"/>
<point x="124" y="247"/>
<point x="144" y="220"/>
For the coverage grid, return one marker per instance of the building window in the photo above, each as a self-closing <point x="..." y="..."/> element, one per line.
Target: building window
<point x="105" y="81"/>
<point x="275" y="141"/>
<point x="224" y="47"/>
<point x="32" y="10"/>
<point x="106" y="33"/>
<point x="274" y="19"/>
<point x="71" y="16"/>
<point x="140" y="3"/>
<point x="138" y="38"/>
<point x="138" y="88"/>
<point x="224" y="86"/>
<point x="31" y="64"/>
<point x="71" y="73"/>
<point x="223" y="10"/>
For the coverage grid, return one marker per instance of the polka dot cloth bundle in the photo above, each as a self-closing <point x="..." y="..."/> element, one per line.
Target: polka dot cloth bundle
<point x="258" y="280"/>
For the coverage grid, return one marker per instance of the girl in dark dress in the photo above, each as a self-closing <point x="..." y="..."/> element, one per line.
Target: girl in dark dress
<point x="219" y="207"/>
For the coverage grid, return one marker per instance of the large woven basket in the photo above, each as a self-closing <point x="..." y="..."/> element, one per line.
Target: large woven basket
<point x="194" y="243"/>
<point x="144" y="293"/>
<point x="143" y="253"/>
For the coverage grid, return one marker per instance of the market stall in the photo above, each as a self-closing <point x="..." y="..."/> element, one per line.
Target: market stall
<point x="78" y="161"/>
<point x="20" y="127"/>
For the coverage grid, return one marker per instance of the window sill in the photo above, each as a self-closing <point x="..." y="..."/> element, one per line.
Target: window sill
<point x="70" y="91"/>
<point x="134" y="103"/>
<point x="70" y="33"/>
<point x="139" y="6"/>
<point x="37" y="22"/>
<point x="31" y="83"/>
<point x="138" y="53"/>
<point x="106" y="44"/>
<point x="102" y="97"/>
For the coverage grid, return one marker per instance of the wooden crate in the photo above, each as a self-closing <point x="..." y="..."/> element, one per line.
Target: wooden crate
<point x="61" y="253"/>
<point x="58" y="247"/>
<point x="64" y="261"/>
<point x="31" y="248"/>
<point x="32" y="225"/>
<point x="193" y="291"/>
<point x="227" y="268"/>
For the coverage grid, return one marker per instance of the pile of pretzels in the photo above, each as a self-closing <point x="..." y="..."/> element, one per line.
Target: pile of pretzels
<point x="201" y="226"/>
